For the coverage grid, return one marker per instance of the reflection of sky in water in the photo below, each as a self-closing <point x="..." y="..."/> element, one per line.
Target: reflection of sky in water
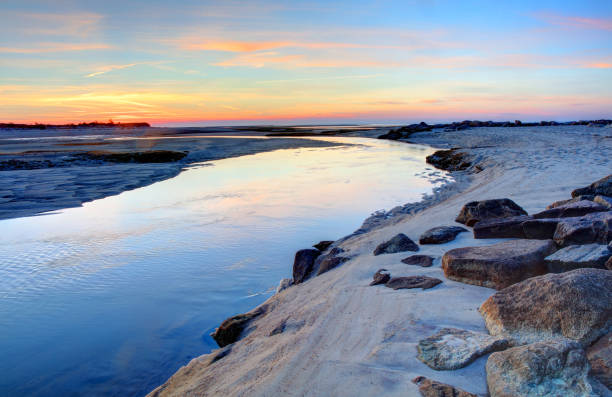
<point x="113" y="297"/>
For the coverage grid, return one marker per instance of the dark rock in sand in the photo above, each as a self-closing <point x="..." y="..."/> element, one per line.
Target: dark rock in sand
<point x="419" y="260"/>
<point x="399" y="243"/>
<point x="323" y="245"/>
<point x="600" y="358"/>
<point x="498" y="265"/>
<point x="576" y="209"/>
<point x="576" y="305"/>
<point x="230" y="329"/>
<point x="476" y="211"/>
<point x="569" y="201"/>
<point x="381" y="277"/>
<point x="578" y="256"/>
<point x="604" y="200"/>
<point x="540" y="229"/>
<point x="449" y="160"/>
<point x="601" y="187"/>
<point x="552" y="368"/>
<point x="303" y="264"/>
<point x="329" y="261"/>
<point x="441" y="234"/>
<point x="279" y="329"/>
<point x="591" y="228"/>
<point x="502" y="227"/>
<point x="413" y="282"/>
<point x="453" y="348"/>
<point x="432" y="388"/>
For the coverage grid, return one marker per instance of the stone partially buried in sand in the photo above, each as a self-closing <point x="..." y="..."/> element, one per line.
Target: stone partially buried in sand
<point x="419" y="260"/>
<point x="441" y="234"/>
<point x="381" y="277"/>
<point x="476" y="211"/>
<point x="230" y="329"/>
<point x="410" y="282"/>
<point x="399" y="243"/>
<point x="591" y="228"/>
<point x="432" y="388"/>
<point x="498" y="265"/>
<point x="556" y="367"/>
<point x="601" y="187"/>
<point x="578" y="256"/>
<point x="453" y="348"/>
<point x="576" y="305"/>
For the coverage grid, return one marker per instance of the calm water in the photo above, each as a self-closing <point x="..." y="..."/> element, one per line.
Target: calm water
<point x="113" y="297"/>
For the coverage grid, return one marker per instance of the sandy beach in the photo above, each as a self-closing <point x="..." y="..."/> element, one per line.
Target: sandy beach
<point x="343" y="337"/>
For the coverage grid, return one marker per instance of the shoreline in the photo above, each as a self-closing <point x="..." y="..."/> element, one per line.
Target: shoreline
<point x="341" y="336"/>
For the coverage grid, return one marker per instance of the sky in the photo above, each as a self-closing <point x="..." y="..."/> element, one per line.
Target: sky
<point x="187" y="62"/>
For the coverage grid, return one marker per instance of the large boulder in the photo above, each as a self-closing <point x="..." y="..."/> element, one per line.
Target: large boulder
<point x="476" y="211"/>
<point x="576" y="305"/>
<point x="578" y="208"/>
<point x="303" y="264"/>
<point x="230" y="329"/>
<point x="498" y="265"/>
<point x="578" y="256"/>
<point x="501" y="227"/>
<point x="601" y="187"/>
<point x="399" y="243"/>
<point x="410" y="282"/>
<point x="449" y="160"/>
<point x="419" y="260"/>
<point x="551" y="368"/>
<point x="591" y="228"/>
<point x="600" y="358"/>
<point x="569" y="201"/>
<point x="441" y="234"/>
<point x="541" y="229"/>
<point x="453" y="348"/>
<point x="432" y="388"/>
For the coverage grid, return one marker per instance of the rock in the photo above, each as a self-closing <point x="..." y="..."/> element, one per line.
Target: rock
<point x="498" y="265"/>
<point x="449" y="160"/>
<point x="475" y="211"/>
<point x="578" y="256"/>
<point x="576" y="209"/>
<point x="540" y="229"/>
<point x="453" y="348"/>
<point x="551" y="368"/>
<point x="303" y="264"/>
<point x="329" y="261"/>
<point x="608" y="264"/>
<point x="279" y="329"/>
<point x="432" y="388"/>
<point x="576" y="305"/>
<point x="601" y="187"/>
<point x="604" y="200"/>
<point x="600" y="358"/>
<point x="323" y="245"/>
<point x="502" y="227"/>
<point x="419" y="260"/>
<point x="569" y="201"/>
<point x="441" y="234"/>
<point x="591" y="228"/>
<point x="151" y="156"/>
<point x="381" y="277"/>
<point x="284" y="284"/>
<point x="412" y="282"/>
<point x="399" y="243"/>
<point x="230" y="329"/>
<point x="392" y="135"/>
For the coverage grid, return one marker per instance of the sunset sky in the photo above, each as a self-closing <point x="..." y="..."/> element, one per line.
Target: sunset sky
<point x="190" y="62"/>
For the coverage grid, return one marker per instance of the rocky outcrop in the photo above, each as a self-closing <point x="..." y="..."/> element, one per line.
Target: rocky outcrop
<point x="591" y="228"/>
<point x="303" y="264"/>
<point x="576" y="305"/>
<point x="230" y="329"/>
<point x="449" y="160"/>
<point x="441" y="234"/>
<point x="323" y="245"/>
<point x="600" y="358"/>
<point x="381" y="277"/>
<point x="579" y="208"/>
<point x="601" y="187"/>
<point x="399" y="243"/>
<point x="578" y="256"/>
<point x="412" y="282"/>
<point x="419" y="260"/>
<point x="432" y="388"/>
<point x="498" y="265"/>
<point x="476" y="211"/>
<point x="453" y="348"/>
<point x="552" y="368"/>
<point x="569" y="201"/>
<point x="604" y="200"/>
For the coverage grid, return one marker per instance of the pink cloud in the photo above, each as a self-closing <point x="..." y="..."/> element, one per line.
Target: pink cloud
<point x="578" y="22"/>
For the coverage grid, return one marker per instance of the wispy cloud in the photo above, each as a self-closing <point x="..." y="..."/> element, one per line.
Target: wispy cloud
<point x="577" y="21"/>
<point x="252" y="46"/>
<point x="80" y="24"/>
<point x="262" y="59"/>
<point x="42" y="48"/>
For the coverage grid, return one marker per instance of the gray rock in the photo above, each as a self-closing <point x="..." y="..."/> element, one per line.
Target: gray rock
<point x="476" y="211"/>
<point x="569" y="201"/>
<point x="578" y="256"/>
<point x="284" y="284"/>
<point x="441" y="234"/>
<point x="604" y="200"/>
<point x="412" y="282"/>
<point x="419" y="260"/>
<point x="453" y="348"/>
<point x="399" y="243"/>
<point x="600" y="358"/>
<point x="230" y="329"/>
<point x="552" y="368"/>
<point x="329" y="261"/>
<point x="498" y="265"/>
<point x="381" y="277"/>
<point x="591" y="228"/>
<point x="432" y="388"/>
<point x="303" y="264"/>
<point x="575" y="305"/>
<point x="576" y="209"/>
<point x="601" y="187"/>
